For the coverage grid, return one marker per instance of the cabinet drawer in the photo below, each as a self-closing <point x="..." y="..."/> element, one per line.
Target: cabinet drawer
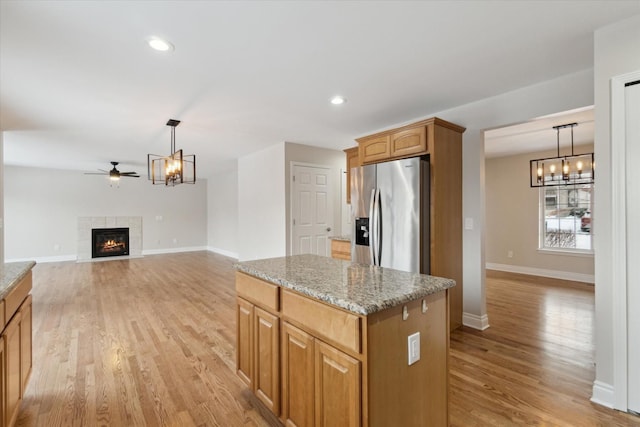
<point x="13" y="300"/>
<point x="333" y="325"/>
<point x="258" y="291"/>
<point x="2" y="319"/>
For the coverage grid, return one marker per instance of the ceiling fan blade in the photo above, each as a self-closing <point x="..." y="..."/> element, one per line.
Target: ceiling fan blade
<point x="129" y="176"/>
<point x="128" y="173"/>
<point x="96" y="173"/>
<point x="102" y="170"/>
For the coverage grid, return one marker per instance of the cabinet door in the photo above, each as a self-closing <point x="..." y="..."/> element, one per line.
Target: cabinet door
<point x="353" y="160"/>
<point x="337" y="388"/>
<point x="2" y="379"/>
<point x="297" y="377"/>
<point x="11" y="336"/>
<point x="374" y="150"/>
<point x="25" y="343"/>
<point x="244" y="345"/>
<point x="267" y="359"/>
<point x="410" y="142"/>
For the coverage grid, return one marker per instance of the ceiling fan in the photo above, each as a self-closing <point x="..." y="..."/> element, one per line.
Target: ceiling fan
<point x="114" y="174"/>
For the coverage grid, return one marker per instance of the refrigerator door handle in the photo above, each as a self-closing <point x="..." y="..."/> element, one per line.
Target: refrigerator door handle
<point x="378" y="226"/>
<point x="372" y="230"/>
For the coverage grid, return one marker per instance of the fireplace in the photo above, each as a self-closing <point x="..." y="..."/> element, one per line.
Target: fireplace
<point x="106" y="242"/>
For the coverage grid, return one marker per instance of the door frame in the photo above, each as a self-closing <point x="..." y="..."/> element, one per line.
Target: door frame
<point x="619" y="238"/>
<point x="292" y="165"/>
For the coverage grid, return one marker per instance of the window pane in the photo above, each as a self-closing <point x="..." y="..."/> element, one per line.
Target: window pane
<point x="566" y="217"/>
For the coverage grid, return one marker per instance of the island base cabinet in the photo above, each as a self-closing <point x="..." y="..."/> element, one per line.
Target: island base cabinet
<point x="257" y="352"/>
<point x="25" y="343"/>
<point x="244" y="341"/>
<point x="321" y="385"/>
<point x="337" y="385"/>
<point x="12" y="384"/>
<point x="267" y="362"/>
<point x="297" y="377"/>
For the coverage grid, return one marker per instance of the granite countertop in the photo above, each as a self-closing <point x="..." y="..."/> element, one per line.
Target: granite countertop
<point x="359" y="288"/>
<point x="11" y="274"/>
<point x="343" y="238"/>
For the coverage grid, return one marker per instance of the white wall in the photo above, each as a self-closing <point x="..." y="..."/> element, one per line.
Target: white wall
<point x="1" y="200"/>
<point x="335" y="160"/>
<point x="512" y="222"/>
<point x="222" y="211"/>
<point x="262" y="204"/>
<point x="617" y="52"/>
<point x="560" y="94"/>
<point x="42" y="207"/>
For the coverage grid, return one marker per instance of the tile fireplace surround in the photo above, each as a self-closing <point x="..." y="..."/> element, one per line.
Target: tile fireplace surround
<point x="87" y="223"/>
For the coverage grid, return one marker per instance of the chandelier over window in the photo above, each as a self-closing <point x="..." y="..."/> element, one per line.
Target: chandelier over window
<point x="175" y="168"/>
<point x="562" y="170"/>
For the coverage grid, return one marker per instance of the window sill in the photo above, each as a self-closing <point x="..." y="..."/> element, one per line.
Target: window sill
<point x="568" y="252"/>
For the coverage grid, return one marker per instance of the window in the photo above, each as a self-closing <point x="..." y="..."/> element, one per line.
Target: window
<point x="565" y="218"/>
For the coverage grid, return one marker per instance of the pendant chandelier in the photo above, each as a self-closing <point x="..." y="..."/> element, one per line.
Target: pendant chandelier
<point x="176" y="168"/>
<point x="562" y="170"/>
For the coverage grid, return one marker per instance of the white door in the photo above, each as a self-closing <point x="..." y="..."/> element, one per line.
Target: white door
<point x="632" y="120"/>
<point x="312" y="210"/>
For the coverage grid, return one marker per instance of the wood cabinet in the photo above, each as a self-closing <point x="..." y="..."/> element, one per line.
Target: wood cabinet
<point x="338" y="368"/>
<point x="12" y="386"/>
<point x="26" y="354"/>
<point x="16" y="351"/>
<point x="267" y="359"/>
<point x="244" y="341"/>
<point x="440" y="142"/>
<point x="298" y="373"/>
<point x="374" y="149"/>
<point x="353" y="161"/>
<point x="337" y="387"/>
<point x="341" y="249"/>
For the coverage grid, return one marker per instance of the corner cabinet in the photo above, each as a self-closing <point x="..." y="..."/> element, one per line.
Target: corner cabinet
<point x="441" y="142"/>
<point x="313" y="364"/>
<point x="16" y="349"/>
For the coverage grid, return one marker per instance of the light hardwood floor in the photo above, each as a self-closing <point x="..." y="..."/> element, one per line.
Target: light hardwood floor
<point x="151" y="342"/>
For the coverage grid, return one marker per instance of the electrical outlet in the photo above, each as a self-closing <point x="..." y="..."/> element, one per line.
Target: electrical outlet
<point x="509" y="254"/>
<point x="413" y="344"/>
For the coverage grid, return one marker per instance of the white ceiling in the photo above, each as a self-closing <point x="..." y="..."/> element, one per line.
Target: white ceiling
<point x="79" y="86"/>
<point x="539" y="135"/>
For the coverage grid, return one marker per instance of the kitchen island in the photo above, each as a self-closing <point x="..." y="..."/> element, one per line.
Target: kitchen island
<point x="15" y="339"/>
<point x="322" y="342"/>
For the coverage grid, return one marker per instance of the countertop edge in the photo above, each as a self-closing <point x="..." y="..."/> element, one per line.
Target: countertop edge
<point x="341" y="238"/>
<point x="11" y="274"/>
<point x="341" y="303"/>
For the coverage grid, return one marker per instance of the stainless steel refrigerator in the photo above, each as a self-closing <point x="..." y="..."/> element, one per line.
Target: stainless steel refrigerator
<point x="390" y="214"/>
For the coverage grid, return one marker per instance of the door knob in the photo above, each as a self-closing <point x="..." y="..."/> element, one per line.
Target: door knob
<point x="328" y="228"/>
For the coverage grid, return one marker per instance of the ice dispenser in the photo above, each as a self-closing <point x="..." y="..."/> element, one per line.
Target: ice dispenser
<point x="362" y="231"/>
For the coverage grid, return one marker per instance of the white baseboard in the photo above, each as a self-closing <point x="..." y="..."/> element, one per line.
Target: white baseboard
<point x="173" y="250"/>
<point x="474" y="321"/>
<point x="603" y="394"/>
<point x="223" y="252"/>
<point x="554" y="274"/>
<point x="40" y="260"/>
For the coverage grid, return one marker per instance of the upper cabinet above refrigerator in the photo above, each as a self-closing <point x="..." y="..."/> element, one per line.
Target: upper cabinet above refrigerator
<point x="440" y="143"/>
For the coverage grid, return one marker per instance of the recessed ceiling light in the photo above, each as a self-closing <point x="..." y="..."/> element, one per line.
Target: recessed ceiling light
<point x="159" y="44"/>
<point x="338" y="100"/>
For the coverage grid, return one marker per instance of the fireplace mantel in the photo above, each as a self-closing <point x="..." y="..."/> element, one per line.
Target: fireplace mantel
<point x="87" y="223"/>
